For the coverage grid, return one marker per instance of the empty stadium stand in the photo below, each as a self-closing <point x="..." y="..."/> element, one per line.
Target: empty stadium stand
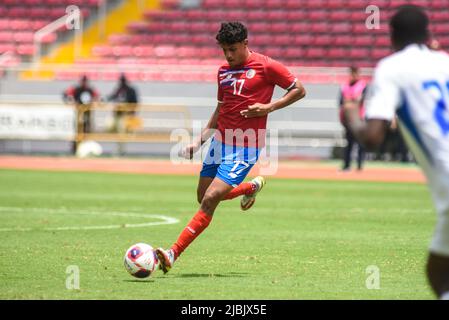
<point x="315" y="33"/>
<point x="309" y="32"/>
<point x="20" y="19"/>
<point x="166" y="42"/>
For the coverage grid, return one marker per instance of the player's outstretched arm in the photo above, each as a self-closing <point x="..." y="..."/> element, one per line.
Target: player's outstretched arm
<point x="296" y="93"/>
<point x="206" y="133"/>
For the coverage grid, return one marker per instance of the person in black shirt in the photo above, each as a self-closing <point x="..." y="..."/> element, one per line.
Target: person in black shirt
<point x="125" y="97"/>
<point x="82" y="96"/>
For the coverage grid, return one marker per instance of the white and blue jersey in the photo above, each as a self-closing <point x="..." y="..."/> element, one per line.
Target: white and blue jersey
<point x="414" y="85"/>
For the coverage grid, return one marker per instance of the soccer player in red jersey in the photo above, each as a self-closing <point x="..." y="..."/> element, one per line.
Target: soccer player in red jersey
<point x="245" y="89"/>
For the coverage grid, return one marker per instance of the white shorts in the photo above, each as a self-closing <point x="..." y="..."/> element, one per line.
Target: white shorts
<point x="440" y="241"/>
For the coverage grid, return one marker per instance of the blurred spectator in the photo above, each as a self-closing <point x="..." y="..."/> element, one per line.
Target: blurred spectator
<point x="125" y="97"/>
<point x="83" y="96"/>
<point x="354" y="90"/>
<point x="435" y="45"/>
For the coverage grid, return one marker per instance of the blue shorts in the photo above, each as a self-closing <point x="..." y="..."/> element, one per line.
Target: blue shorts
<point x="229" y="163"/>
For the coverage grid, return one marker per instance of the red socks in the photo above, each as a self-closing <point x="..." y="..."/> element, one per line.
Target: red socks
<point x="193" y="229"/>
<point x="201" y="220"/>
<point x="241" y="189"/>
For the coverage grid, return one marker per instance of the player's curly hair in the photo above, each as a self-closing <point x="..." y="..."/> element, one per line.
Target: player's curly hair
<point x="231" y="32"/>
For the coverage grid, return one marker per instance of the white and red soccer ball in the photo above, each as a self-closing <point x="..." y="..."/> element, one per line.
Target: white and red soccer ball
<point x="141" y="260"/>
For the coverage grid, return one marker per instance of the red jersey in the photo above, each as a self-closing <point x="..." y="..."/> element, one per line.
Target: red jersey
<point x="239" y="88"/>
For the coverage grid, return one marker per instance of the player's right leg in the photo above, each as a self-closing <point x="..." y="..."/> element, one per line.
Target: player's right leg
<point x="212" y="197"/>
<point x="438" y="261"/>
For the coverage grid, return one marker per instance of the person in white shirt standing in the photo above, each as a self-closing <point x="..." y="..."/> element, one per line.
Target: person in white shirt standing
<point x="413" y="83"/>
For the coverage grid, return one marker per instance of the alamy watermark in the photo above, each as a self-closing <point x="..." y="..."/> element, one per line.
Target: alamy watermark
<point x="72" y="281"/>
<point x="373" y="20"/>
<point x="372" y="281"/>
<point x="73" y="17"/>
<point x="234" y="145"/>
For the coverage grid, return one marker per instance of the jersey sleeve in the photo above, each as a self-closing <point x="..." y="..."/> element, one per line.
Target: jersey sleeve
<point x="384" y="96"/>
<point x="219" y="89"/>
<point x="279" y="75"/>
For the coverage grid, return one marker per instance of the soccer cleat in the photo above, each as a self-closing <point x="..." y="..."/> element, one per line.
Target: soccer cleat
<point x="166" y="259"/>
<point x="248" y="200"/>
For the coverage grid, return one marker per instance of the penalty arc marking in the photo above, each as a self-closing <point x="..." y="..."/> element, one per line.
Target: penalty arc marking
<point x="160" y="219"/>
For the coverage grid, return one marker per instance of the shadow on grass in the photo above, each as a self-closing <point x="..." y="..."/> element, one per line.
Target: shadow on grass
<point x="140" y="281"/>
<point x="191" y="275"/>
<point x="211" y="275"/>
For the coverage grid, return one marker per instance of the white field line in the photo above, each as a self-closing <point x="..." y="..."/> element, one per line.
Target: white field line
<point x="162" y="219"/>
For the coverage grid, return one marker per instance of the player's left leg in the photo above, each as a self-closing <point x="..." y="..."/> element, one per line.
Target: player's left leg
<point x="245" y="188"/>
<point x="248" y="190"/>
<point x="248" y="199"/>
<point x="203" y="185"/>
<point x="244" y="158"/>
<point x="438" y="261"/>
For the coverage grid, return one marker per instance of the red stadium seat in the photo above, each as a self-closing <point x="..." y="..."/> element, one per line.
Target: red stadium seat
<point x="282" y="39"/>
<point x="296" y="16"/>
<point x="341" y="28"/>
<point x="293" y="5"/>
<point x="322" y="40"/>
<point x="300" y="28"/>
<point x="274" y="4"/>
<point x="25" y="50"/>
<point x="340" y="15"/>
<point x="382" y="42"/>
<point x="256" y="15"/>
<point x="303" y="40"/>
<point x="319" y="27"/>
<point x="195" y="15"/>
<point x="442" y="28"/>
<point x="275" y="52"/>
<point x="362" y="41"/>
<point x="301" y="32"/>
<point x="379" y="53"/>
<point x="261" y="39"/>
<point x="316" y="53"/>
<point x="358" y="52"/>
<point x="293" y="53"/>
<point x="277" y="15"/>
<point x="315" y="4"/>
<point x="278" y="27"/>
<point x="318" y="15"/>
<point x="344" y="41"/>
<point x="336" y="4"/>
<point x="337" y="53"/>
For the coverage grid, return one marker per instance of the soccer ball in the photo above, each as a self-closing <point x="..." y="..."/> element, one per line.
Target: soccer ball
<point x="141" y="260"/>
<point x="88" y="149"/>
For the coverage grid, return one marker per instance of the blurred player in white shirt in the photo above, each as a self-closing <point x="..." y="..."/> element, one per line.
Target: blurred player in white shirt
<point x="413" y="83"/>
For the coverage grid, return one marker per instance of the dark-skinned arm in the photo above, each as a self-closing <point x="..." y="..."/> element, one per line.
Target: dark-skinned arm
<point x="370" y="134"/>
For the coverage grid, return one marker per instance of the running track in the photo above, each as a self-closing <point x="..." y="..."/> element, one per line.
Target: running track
<point x="288" y="170"/>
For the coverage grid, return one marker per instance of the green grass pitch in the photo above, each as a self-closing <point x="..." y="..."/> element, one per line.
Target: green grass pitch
<point x="301" y="240"/>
